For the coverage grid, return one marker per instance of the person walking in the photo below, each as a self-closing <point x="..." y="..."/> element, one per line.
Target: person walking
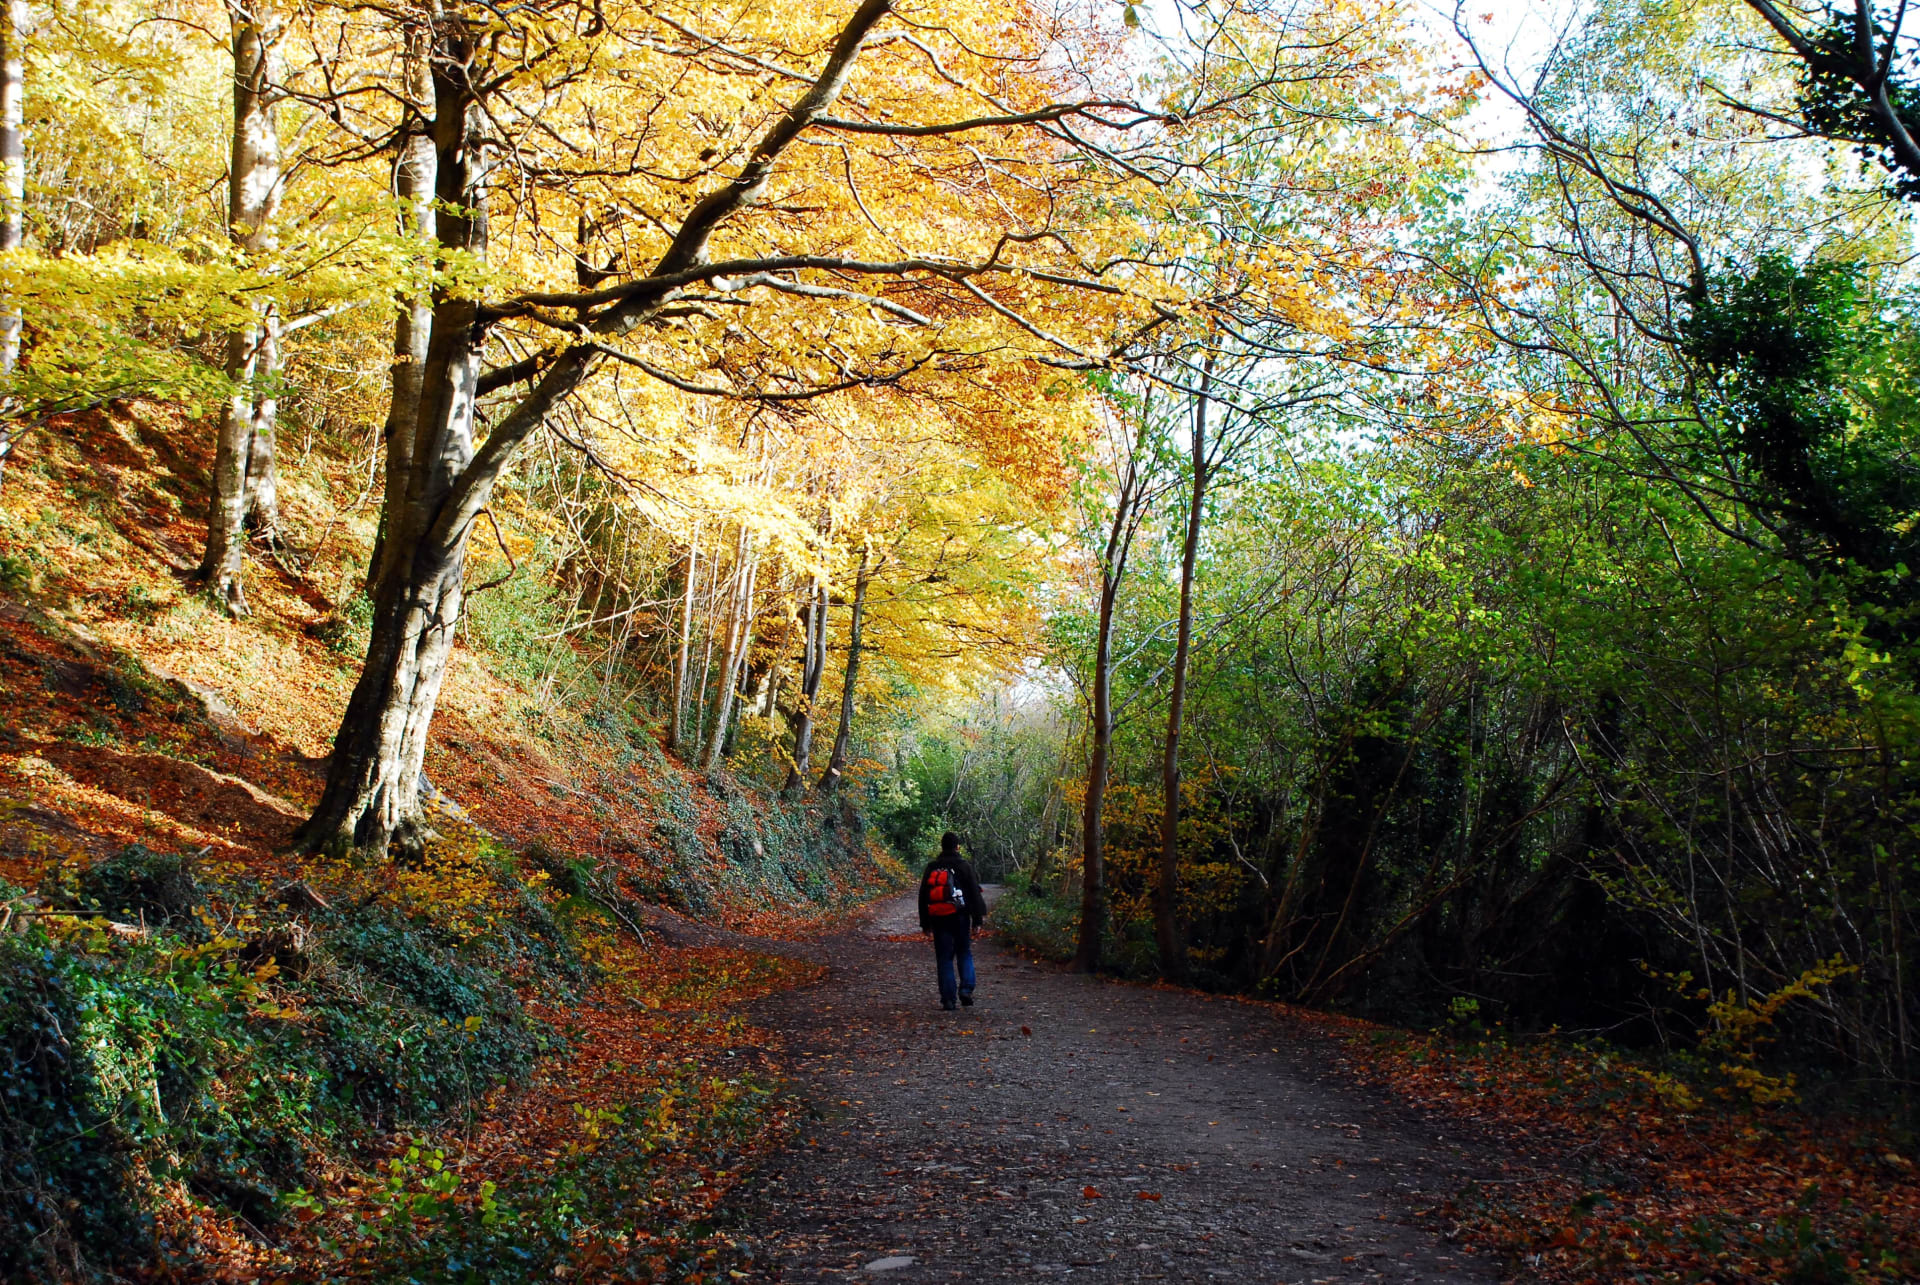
<point x="951" y="907"/>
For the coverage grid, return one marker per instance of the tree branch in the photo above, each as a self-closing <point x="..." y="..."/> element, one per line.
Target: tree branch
<point x="1055" y="112"/>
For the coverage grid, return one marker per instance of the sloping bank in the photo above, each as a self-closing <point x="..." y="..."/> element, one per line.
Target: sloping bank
<point x="470" y="1070"/>
<point x="222" y="1063"/>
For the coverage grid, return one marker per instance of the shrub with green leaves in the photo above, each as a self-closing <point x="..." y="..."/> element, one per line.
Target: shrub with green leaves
<point x="1036" y="922"/>
<point x="161" y="1031"/>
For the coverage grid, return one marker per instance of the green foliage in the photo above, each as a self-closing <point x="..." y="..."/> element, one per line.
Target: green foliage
<point x="16" y="573"/>
<point x="1835" y="104"/>
<point x="1818" y="385"/>
<point x="603" y="1199"/>
<point x="521" y="623"/>
<point x="54" y="1116"/>
<point x="349" y="628"/>
<point x="160" y="889"/>
<point x="467" y="1028"/>
<point x="990" y="774"/>
<point x="589" y="888"/>
<point x="780" y="853"/>
<point x="1504" y="723"/>
<point x="1032" y="920"/>
<point x="225" y="1047"/>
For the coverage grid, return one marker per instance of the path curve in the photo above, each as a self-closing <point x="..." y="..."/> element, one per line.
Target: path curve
<point x="963" y="1145"/>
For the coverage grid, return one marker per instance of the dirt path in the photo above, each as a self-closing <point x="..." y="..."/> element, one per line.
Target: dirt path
<point x="962" y="1145"/>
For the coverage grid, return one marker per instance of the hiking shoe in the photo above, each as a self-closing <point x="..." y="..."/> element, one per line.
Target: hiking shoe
<point x="947" y="1005"/>
<point x="966" y="998"/>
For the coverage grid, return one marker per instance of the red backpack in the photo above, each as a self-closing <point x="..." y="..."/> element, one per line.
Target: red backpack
<point x="944" y="894"/>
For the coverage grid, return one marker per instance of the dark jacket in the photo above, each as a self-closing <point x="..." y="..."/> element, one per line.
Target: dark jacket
<point x="969" y="886"/>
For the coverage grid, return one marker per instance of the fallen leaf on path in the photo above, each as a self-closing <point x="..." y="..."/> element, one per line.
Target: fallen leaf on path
<point x="1146" y="1195"/>
<point x="1090" y="1193"/>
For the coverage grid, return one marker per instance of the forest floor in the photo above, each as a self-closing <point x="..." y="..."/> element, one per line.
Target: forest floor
<point x="1068" y="1125"/>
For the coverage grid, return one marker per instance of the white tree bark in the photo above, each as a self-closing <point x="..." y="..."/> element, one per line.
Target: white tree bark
<point x="13" y="189"/>
<point x="843" y="734"/>
<point x="262" y="477"/>
<point x="677" y="720"/>
<point x="254" y="184"/>
<point x="739" y="639"/>
<point x="813" y="666"/>
<point x="413" y="183"/>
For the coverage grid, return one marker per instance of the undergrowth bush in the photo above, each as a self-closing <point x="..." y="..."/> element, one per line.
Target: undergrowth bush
<point x="521" y="624"/>
<point x="776" y="853"/>
<point x="1035" y="922"/>
<point x="165" y="1033"/>
<point x="611" y="1204"/>
<point x="140" y="885"/>
<point x="347" y="629"/>
<point x="181" y="1048"/>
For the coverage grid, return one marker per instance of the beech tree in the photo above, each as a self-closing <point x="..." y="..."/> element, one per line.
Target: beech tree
<point x="677" y="702"/>
<point x="243" y="450"/>
<point x="746" y="570"/>
<point x="414" y="168"/>
<point x="813" y="666"/>
<point x="850" y="683"/>
<point x="486" y="83"/>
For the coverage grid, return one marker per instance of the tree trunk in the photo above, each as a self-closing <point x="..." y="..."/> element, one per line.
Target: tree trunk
<point x="843" y="735"/>
<point x="226" y="520"/>
<point x="253" y="197"/>
<point x="1093" y="885"/>
<point x="262" y="479"/>
<point x="413" y="184"/>
<point x="677" y="718"/>
<point x="13" y="189"/>
<point x="371" y="797"/>
<point x="746" y="655"/>
<point x="739" y="634"/>
<point x="1093" y="834"/>
<point x="371" y="800"/>
<point x="1276" y="943"/>
<point x="1166" y="919"/>
<point x="737" y="706"/>
<point x="706" y="657"/>
<point x="813" y="665"/>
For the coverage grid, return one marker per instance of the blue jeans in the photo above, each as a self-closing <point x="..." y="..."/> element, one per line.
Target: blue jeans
<point x="953" y="946"/>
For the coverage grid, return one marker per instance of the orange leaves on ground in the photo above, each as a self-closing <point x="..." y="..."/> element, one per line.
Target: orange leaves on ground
<point x="1628" y="1183"/>
<point x="99" y="754"/>
<point x="652" y="1050"/>
<point x="777" y="923"/>
<point x="697" y="977"/>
